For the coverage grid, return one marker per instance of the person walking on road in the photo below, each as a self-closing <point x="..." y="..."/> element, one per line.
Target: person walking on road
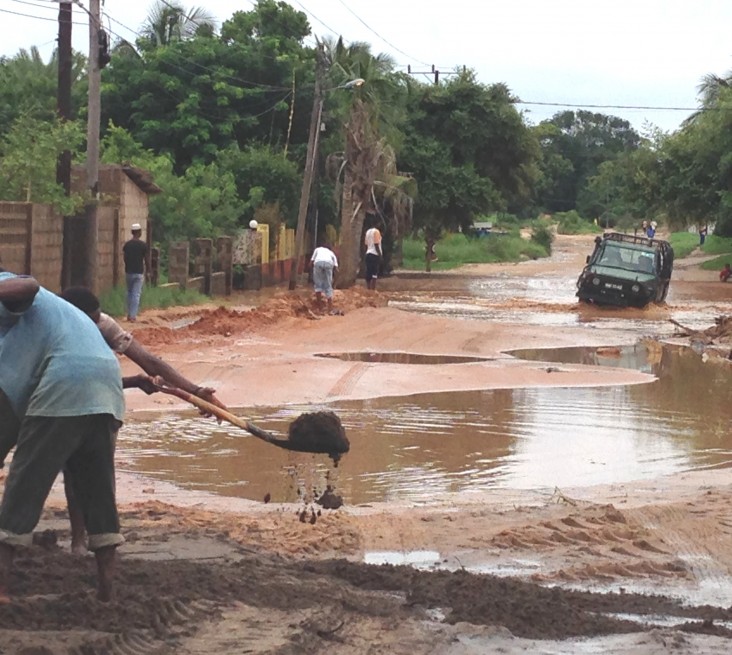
<point x="64" y="385"/>
<point x="372" y="239"/>
<point x="135" y="256"/>
<point x="325" y="264"/>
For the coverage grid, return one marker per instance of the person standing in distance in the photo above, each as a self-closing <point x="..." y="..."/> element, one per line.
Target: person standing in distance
<point x="372" y="240"/>
<point x="324" y="263"/>
<point x="135" y="255"/>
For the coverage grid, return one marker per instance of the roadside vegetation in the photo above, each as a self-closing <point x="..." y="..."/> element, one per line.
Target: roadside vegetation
<point x="456" y="250"/>
<point x="113" y="302"/>
<point x="572" y="223"/>
<point x="227" y="142"/>
<point x="684" y="243"/>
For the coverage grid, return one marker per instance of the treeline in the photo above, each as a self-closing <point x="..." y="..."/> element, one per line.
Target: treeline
<point x="220" y="116"/>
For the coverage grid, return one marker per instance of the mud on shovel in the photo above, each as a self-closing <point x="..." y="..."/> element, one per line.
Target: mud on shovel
<point x="316" y="432"/>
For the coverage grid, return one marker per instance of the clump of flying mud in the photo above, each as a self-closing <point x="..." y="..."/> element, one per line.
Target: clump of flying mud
<point x="319" y="432"/>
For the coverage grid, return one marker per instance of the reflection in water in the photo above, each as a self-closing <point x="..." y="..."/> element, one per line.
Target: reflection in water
<point x="413" y="448"/>
<point x="402" y="358"/>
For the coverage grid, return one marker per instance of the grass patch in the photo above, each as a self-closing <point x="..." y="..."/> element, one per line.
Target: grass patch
<point x="683" y="243"/>
<point x="715" y="245"/>
<point x="456" y="250"/>
<point x="717" y="264"/>
<point x="114" y="303"/>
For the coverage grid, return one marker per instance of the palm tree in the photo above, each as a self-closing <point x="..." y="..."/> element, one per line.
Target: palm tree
<point x="368" y="157"/>
<point x="169" y="21"/>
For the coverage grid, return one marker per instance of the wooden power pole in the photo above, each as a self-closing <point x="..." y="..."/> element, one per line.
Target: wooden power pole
<point x="63" y="109"/>
<point x="310" y="164"/>
<point x="92" y="147"/>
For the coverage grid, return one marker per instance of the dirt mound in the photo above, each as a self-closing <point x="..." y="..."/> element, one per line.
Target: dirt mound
<point x="226" y="322"/>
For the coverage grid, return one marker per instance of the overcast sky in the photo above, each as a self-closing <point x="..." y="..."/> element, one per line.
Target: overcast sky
<point x="584" y="52"/>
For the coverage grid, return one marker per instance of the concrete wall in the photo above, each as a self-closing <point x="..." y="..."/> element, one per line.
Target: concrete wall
<point x="31" y="239"/>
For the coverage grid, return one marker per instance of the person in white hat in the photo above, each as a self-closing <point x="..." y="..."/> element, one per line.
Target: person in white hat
<point x="135" y="255"/>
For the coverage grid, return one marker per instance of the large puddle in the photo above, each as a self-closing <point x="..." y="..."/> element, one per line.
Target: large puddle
<point x="416" y="447"/>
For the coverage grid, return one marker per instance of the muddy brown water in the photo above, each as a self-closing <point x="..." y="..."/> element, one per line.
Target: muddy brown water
<point x="417" y="447"/>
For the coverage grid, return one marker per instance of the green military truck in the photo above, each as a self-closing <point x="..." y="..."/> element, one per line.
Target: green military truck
<point x="626" y="271"/>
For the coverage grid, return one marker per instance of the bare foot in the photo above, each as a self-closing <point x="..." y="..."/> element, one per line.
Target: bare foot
<point x="4" y="597"/>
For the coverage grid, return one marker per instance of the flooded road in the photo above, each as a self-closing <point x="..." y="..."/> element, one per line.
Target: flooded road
<point x="415" y="448"/>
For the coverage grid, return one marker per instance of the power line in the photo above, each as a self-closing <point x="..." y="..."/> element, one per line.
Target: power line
<point x="17" y="13"/>
<point x="371" y="29"/>
<point x="596" y="106"/>
<point x="307" y="11"/>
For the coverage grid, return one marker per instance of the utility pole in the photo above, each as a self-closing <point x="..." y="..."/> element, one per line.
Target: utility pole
<point x="434" y="72"/>
<point x="63" y="109"/>
<point x="92" y="147"/>
<point x="310" y="163"/>
<point x="63" y="93"/>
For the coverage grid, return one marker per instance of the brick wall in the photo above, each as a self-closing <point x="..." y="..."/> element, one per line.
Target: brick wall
<point x="31" y="238"/>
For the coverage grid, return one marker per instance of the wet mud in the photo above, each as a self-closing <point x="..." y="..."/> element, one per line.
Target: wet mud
<point x="159" y="604"/>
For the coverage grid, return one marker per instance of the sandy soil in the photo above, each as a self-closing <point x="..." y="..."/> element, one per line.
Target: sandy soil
<point x="202" y="574"/>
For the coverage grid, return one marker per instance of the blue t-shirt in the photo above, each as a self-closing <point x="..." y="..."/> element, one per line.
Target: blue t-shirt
<point x="55" y="362"/>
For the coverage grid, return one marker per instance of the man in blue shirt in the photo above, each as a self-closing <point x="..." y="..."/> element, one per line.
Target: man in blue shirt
<point x="64" y="385"/>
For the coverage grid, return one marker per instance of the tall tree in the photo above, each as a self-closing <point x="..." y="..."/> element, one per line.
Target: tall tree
<point x="574" y="144"/>
<point x="28" y="86"/>
<point x="169" y="21"/>
<point x="28" y="155"/>
<point x="371" y="117"/>
<point x="470" y="152"/>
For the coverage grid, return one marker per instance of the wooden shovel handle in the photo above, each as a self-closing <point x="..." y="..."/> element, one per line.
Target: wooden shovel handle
<point x="223" y="414"/>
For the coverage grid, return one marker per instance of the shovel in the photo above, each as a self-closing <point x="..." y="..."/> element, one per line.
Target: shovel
<point x="319" y="432"/>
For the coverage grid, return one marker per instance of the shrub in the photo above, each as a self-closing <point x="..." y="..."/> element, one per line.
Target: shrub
<point x="542" y="234"/>
<point x="113" y="302"/>
<point x="572" y="223"/>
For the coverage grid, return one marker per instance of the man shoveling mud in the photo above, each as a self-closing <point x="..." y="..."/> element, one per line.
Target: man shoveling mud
<point x="122" y="343"/>
<point x="65" y="386"/>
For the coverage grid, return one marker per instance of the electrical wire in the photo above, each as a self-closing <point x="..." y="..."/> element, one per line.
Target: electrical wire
<point x="371" y="29"/>
<point x="307" y="11"/>
<point x="17" y="13"/>
<point x="597" y="106"/>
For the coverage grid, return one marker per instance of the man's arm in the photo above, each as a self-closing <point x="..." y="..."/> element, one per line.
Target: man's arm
<point x="17" y="293"/>
<point x="156" y="367"/>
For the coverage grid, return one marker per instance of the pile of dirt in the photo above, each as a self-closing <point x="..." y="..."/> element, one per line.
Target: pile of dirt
<point x="226" y="322"/>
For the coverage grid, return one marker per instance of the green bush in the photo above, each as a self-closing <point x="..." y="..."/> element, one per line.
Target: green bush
<point x="542" y="234"/>
<point x="114" y="303"/>
<point x="572" y="223"/>
<point x="457" y="249"/>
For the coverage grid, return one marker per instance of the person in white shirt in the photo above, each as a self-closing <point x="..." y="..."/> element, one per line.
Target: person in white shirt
<point x="324" y="263"/>
<point x="372" y="239"/>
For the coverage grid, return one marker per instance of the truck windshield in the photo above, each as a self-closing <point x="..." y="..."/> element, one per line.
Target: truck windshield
<point x="631" y="259"/>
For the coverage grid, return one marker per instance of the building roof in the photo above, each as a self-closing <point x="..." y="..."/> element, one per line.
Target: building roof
<point x="142" y="178"/>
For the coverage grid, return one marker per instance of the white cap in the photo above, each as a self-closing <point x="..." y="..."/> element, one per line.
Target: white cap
<point x="136" y="226"/>
<point x="253" y="224"/>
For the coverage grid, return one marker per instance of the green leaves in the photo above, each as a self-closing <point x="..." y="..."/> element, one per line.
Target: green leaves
<point x="28" y="155"/>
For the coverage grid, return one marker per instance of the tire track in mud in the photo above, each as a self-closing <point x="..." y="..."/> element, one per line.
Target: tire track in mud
<point x="171" y="619"/>
<point x="609" y="545"/>
<point x="348" y="381"/>
<point x="698" y="538"/>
